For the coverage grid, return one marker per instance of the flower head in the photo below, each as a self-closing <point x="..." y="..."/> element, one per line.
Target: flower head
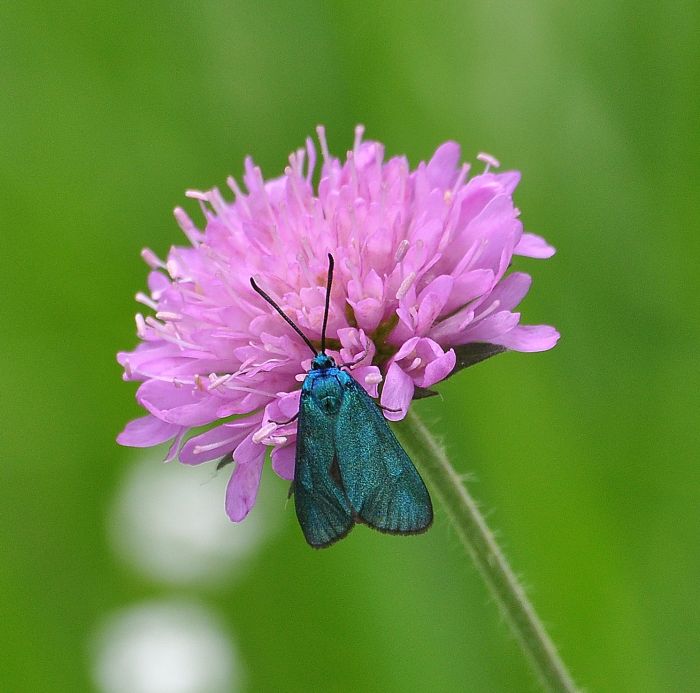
<point x="420" y="290"/>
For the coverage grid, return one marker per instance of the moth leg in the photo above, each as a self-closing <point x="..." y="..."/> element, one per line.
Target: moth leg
<point x="284" y="423"/>
<point x="226" y="459"/>
<point x="383" y="408"/>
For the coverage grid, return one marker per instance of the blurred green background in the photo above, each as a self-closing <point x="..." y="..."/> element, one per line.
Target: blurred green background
<point x="585" y="458"/>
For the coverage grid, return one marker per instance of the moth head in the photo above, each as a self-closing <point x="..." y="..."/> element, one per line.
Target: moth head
<point x="322" y="362"/>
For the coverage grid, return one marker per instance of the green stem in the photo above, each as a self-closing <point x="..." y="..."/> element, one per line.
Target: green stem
<point x="480" y="543"/>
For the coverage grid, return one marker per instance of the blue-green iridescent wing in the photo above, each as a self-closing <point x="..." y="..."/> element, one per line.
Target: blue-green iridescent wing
<point x="379" y="478"/>
<point x="322" y="507"/>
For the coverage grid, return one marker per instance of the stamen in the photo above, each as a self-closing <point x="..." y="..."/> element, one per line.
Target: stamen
<point x="218" y="203"/>
<point x="460" y="179"/>
<point x="197" y="195"/>
<point x="301" y="158"/>
<point x="311" y="159"/>
<point x="321" y="132"/>
<point x="468" y="318"/>
<point x="167" y="315"/>
<point x="152" y="322"/>
<point x="353" y="171"/>
<point x="252" y="390"/>
<point x="488" y="310"/>
<point x="488" y="160"/>
<point x="187" y="225"/>
<point x="167" y="335"/>
<point x="359" y="356"/>
<point x="264" y="432"/>
<point x="240" y="197"/>
<point x="359" y="131"/>
<point x="402" y="250"/>
<point x="140" y="326"/>
<point x="293" y="177"/>
<point x="151" y="259"/>
<point x="171" y="267"/>
<point x="405" y="286"/>
<point x="146" y="300"/>
<point x="198" y="449"/>
<point x="215" y="381"/>
<point x="415" y="364"/>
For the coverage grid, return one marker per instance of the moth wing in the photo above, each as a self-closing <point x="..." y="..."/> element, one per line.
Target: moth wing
<point x="322" y="508"/>
<point x="380" y="480"/>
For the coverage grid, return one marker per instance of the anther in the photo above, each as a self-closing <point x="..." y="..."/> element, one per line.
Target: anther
<point x="405" y="286"/>
<point x="151" y="259"/>
<point x="359" y="131"/>
<point x="415" y="364"/>
<point x="264" y="432"/>
<point x="321" y="132"/>
<point x="146" y="300"/>
<point x="167" y="315"/>
<point x="171" y="266"/>
<point x="140" y="326"/>
<point x="215" y="381"/>
<point x="488" y="160"/>
<point x="197" y="195"/>
<point x="402" y="250"/>
<point x="187" y="225"/>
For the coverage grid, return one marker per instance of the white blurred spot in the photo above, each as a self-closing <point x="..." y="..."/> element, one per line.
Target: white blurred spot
<point x="164" y="647"/>
<point x="170" y="524"/>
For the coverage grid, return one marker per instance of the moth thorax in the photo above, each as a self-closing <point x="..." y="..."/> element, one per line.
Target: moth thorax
<point x="330" y="404"/>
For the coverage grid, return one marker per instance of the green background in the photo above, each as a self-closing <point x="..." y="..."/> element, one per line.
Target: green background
<point x="585" y="457"/>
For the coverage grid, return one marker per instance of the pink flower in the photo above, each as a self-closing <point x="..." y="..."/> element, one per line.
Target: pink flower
<point x="420" y="291"/>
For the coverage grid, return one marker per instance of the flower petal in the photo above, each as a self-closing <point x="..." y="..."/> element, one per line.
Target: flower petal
<point x="407" y="348"/>
<point x="490" y="329"/>
<point x="283" y="460"/>
<point x="175" y="445"/>
<point x="183" y="405"/>
<point x="397" y="393"/>
<point x="529" y="338"/>
<point x="248" y="451"/>
<point x="369" y="378"/>
<point x="442" y="167"/>
<point x="532" y="245"/>
<point x="511" y="290"/>
<point x="147" y="431"/>
<point x="438" y="369"/>
<point x="215" y="443"/>
<point x="432" y="300"/>
<point x="242" y="489"/>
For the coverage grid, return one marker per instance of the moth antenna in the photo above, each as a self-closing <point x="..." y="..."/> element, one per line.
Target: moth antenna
<point x="286" y="318"/>
<point x="329" y="283"/>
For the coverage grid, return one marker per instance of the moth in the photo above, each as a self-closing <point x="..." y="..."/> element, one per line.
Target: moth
<point x="349" y="467"/>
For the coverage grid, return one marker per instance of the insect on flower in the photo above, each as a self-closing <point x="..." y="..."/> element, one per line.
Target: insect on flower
<point x="422" y="287"/>
<point x="349" y="467"/>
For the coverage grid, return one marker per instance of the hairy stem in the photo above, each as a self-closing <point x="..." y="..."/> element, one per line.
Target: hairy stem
<point x="480" y="543"/>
